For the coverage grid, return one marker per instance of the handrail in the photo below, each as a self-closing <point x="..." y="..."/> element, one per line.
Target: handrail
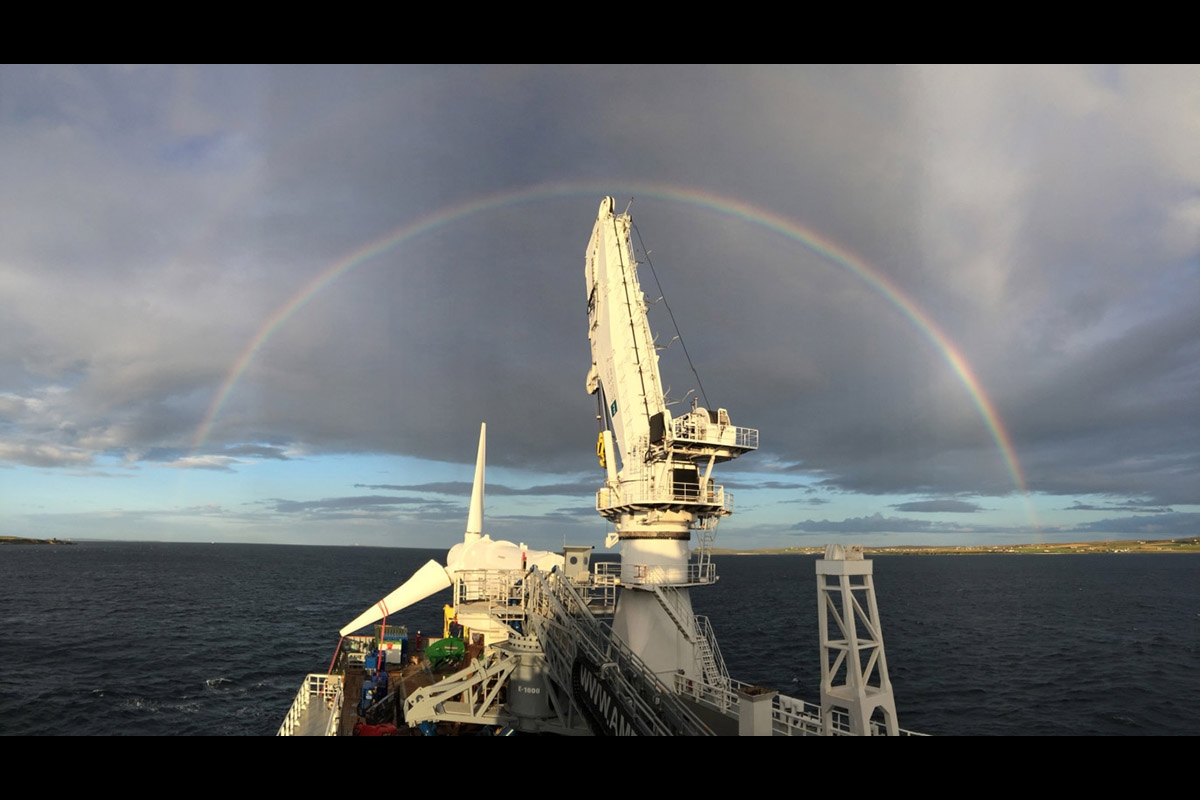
<point x="316" y="685"/>
<point x="637" y="492"/>
<point x="565" y="626"/>
<point x="687" y="429"/>
<point x="790" y="716"/>
<point x="709" y="636"/>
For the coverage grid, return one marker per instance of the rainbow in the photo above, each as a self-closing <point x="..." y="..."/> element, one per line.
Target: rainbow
<point x="826" y="248"/>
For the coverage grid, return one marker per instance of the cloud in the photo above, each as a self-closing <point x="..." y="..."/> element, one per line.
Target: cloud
<point x="345" y="505"/>
<point x="877" y="523"/>
<point x="1158" y="526"/>
<point x="171" y="233"/>
<point x="43" y="455"/>
<point x="809" y="501"/>
<point x="218" y="463"/>
<point x="463" y="488"/>
<point x="259" y="451"/>
<point x="1128" y="505"/>
<point x="937" y="506"/>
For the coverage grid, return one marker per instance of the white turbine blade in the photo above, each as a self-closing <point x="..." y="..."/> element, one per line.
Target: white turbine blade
<point x="475" y="514"/>
<point x="427" y="580"/>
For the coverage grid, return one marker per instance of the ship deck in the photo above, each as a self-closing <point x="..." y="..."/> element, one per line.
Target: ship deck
<point x="313" y="716"/>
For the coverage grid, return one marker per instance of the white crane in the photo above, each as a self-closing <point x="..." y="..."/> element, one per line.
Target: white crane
<point x="663" y="489"/>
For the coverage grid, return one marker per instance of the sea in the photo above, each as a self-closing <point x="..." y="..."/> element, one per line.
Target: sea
<point x="173" y="639"/>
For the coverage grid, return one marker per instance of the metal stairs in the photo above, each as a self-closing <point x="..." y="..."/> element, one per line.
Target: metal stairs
<point x="606" y="681"/>
<point x="596" y="683"/>
<point x="697" y="631"/>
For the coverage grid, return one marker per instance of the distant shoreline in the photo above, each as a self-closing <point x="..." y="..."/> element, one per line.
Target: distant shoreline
<point x="19" y="540"/>
<point x="1186" y="545"/>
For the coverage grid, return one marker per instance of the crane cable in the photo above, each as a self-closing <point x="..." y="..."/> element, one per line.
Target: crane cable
<point x="650" y="264"/>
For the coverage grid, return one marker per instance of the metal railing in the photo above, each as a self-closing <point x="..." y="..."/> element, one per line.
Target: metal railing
<point x="697" y="573"/>
<point x="715" y="671"/>
<point x="502" y="587"/>
<point x="561" y="620"/>
<point x="601" y="590"/>
<point x="320" y="688"/>
<point x="689" y="429"/>
<point x="790" y="716"/>
<point x="637" y="492"/>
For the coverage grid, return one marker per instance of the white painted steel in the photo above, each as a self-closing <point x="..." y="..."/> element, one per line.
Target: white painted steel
<point x="426" y="581"/>
<point x="854" y="675"/>
<point x="475" y="514"/>
<point x="624" y="360"/>
<point x="316" y="711"/>
<point x="477" y="551"/>
<point x="663" y="489"/>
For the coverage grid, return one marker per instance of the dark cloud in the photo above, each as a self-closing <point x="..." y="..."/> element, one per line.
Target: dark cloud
<point x="1018" y="240"/>
<point x="41" y="455"/>
<point x="734" y="483"/>
<point x="258" y="451"/>
<point x="877" y="523"/>
<point x="809" y="501"/>
<point x="346" y="505"/>
<point x="1158" y="526"/>
<point x="463" y="488"/>
<point x="1127" y="506"/>
<point x="935" y="506"/>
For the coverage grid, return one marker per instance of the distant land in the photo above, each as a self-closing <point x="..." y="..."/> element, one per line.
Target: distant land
<point x="19" y="540"/>
<point x="1187" y="545"/>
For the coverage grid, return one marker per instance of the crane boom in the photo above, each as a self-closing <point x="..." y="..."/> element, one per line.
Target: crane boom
<point x="624" y="361"/>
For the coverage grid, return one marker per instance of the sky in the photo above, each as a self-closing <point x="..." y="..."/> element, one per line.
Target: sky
<point x="274" y="304"/>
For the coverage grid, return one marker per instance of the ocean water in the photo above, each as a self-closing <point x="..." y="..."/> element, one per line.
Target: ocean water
<point x="122" y="638"/>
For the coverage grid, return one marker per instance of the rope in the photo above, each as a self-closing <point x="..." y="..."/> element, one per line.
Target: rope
<point x="335" y="655"/>
<point x="661" y="294"/>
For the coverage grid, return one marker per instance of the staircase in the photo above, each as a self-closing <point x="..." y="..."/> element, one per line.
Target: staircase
<point x="606" y="682"/>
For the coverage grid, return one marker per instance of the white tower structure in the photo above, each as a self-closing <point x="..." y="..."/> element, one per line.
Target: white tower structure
<point x="854" y="676"/>
<point x="663" y="489"/>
